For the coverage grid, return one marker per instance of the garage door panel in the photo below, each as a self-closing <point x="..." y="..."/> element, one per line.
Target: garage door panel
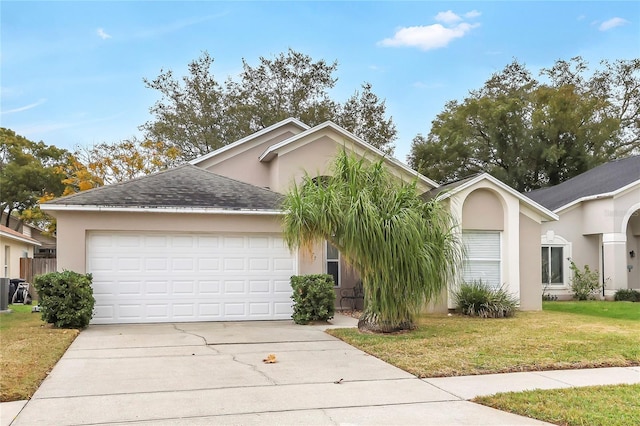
<point x="130" y="288"/>
<point x="208" y="264"/>
<point x="149" y="277"/>
<point x="206" y="288"/>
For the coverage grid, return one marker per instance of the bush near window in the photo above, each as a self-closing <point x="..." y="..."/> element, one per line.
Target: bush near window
<point x="584" y="283"/>
<point x="66" y="298"/>
<point x="313" y="297"/>
<point x="627" y="295"/>
<point x="480" y="299"/>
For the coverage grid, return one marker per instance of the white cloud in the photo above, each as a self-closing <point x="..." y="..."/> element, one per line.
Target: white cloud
<point x="434" y="36"/>
<point x="427" y="37"/>
<point x="581" y="17"/>
<point x="612" y="23"/>
<point x="473" y="14"/>
<point x="447" y="17"/>
<point x="102" y="34"/>
<point x="26" y="107"/>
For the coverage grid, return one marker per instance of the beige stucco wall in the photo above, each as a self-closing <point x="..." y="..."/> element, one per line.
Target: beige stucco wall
<point x="510" y="235"/>
<point x="530" y="265"/>
<point x="601" y="228"/>
<point x="314" y="158"/>
<point x="17" y="249"/>
<point x="482" y="210"/>
<point x="73" y="227"/>
<point x="241" y="163"/>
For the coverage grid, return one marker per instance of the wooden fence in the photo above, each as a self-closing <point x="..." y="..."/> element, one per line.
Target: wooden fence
<point x="29" y="268"/>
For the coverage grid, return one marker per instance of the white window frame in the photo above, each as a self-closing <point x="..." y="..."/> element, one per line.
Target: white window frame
<point x="483" y="259"/>
<point x="550" y="239"/>
<point x="327" y="259"/>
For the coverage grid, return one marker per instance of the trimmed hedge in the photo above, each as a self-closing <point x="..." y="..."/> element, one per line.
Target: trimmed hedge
<point x="66" y="298"/>
<point x="313" y="297"/>
<point x="628" y="295"/>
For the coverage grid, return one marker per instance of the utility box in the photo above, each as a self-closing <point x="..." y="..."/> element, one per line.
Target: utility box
<point x="4" y="294"/>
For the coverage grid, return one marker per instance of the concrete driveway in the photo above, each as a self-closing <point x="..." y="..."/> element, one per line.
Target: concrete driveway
<point x="213" y="373"/>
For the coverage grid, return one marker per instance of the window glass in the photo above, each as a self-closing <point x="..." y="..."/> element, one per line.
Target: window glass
<point x="552" y="265"/>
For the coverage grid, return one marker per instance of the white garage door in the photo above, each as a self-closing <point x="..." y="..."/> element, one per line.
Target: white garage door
<point x="157" y="277"/>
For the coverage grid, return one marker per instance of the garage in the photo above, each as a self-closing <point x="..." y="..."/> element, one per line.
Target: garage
<point x="141" y="277"/>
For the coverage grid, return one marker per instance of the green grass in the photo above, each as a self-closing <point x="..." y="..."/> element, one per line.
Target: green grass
<point x="530" y="341"/>
<point x="597" y="308"/>
<point x="594" y="406"/>
<point x="29" y="350"/>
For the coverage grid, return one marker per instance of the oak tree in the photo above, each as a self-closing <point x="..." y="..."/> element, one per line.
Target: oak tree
<point x="532" y="133"/>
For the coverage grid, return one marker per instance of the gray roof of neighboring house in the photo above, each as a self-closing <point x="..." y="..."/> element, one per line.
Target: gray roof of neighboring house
<point x="603" y="179"/>
<point x="447" y="187"/>
<point x="183" y="186"/>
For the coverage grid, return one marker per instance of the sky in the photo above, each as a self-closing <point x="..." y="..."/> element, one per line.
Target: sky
<point x="72" y="73"/>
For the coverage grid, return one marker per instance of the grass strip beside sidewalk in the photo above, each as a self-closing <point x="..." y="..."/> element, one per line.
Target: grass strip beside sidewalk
<point x="29" y="350"/>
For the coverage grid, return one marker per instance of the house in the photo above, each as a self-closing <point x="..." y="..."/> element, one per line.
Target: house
<point x="202" y="242"/>
<point x="598" y="226"/>
<point x="47" y="247"/>
<point x="13" y="246"/>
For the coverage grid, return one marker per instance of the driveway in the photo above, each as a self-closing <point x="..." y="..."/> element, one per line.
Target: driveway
<point x="213" y="373"/>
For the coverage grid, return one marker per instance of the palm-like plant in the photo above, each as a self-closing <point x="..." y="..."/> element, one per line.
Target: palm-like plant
<point x="404" y="248"/>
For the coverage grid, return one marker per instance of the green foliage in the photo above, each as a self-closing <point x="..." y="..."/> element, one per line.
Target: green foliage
<point x="533" y="133"/>
<point x="28" y="171"/>
<point x="628" y="295"/>
<point x="314" y="298"/>
<point x="480" y="299"/>
<point x="584" y="283"/>
<point x="403" y="248"/>
<point x="66" y="298"/>
<point x="197" y="114"/>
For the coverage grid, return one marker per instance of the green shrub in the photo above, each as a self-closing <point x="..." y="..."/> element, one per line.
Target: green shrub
<point x="313" y="297"/>
<point x="479" y="299"/>
<point x="584" y="283"/>
<point x="66" y="298"/>
<point x="628" y="295"/>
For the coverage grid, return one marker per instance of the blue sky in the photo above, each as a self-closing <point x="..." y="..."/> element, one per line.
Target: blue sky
<point x="71" y="72"/>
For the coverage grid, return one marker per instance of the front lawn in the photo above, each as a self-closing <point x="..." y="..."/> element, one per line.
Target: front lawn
<point x="594" y="406"/>
<point x="531" y="341"/>
<point x="597" y="308"/>
<point x="29" y="350"/>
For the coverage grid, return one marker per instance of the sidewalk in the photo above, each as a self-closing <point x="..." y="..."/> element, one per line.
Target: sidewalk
<point x="469" y="387"/>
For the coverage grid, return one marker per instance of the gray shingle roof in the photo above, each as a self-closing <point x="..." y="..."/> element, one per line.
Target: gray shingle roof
<point x="183" y="186"/>
<point x="603" y="179"/>
<point x="447" y="187"/>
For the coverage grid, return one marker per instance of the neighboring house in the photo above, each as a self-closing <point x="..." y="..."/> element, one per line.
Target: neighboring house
<point x="47" y="247"/>
<point x="203" y="241"/>
<point x="599" y="226"/>
<point x="13" y="246"/>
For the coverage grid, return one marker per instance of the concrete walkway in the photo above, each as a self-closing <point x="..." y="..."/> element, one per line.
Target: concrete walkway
<point x="213" y="373"/>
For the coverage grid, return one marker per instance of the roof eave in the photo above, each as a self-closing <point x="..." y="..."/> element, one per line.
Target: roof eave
<point x="21" y="239"/>
<point x="272" y="151"/>
<point x="596" y="196"/>
<point x="138" y="209"/>
<point x="544" y="212"/>
<point x="246" y="139"/>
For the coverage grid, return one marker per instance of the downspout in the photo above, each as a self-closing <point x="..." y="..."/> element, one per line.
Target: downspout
<point x="603" y="280"/>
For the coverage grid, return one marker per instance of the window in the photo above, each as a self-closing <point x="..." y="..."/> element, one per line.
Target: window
<point x="555" y="254"/>
<point x="552" y="265"/>
<point x="483" y="258"/>
<point x="333" y="263"/>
